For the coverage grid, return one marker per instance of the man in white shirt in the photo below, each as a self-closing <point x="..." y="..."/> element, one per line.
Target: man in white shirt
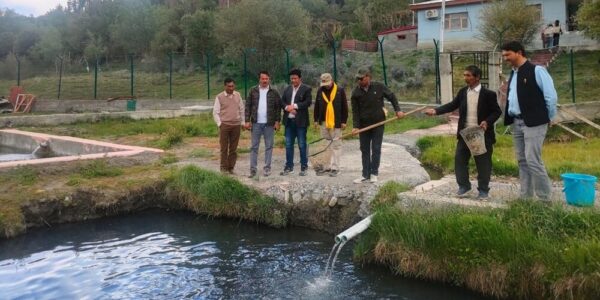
<point x="262" y="114"/>
<point x="296" y="100"/>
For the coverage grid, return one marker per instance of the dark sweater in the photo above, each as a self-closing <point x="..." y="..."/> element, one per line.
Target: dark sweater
<point x="531" y="98"/>
<point x="367" y="106"/>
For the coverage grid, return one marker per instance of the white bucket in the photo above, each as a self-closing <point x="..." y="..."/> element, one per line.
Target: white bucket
<point x="474" y="137"/>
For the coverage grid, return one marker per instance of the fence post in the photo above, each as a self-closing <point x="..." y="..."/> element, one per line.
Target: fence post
<point x="246" y="70"/>
<point x="382" y="59"/>
<point x="60" y="70"/>
<point x="18" y="70"/>
<point x="287" y="64"/>
<point x="171" y="75"/>
<point x="208" y="74"/>
<point x="334" y="61"/>
<point x="96" y="79"/>
<point x="572" y="78"/>
<point x="438" y="91"/>
<point x="131" y="72"/>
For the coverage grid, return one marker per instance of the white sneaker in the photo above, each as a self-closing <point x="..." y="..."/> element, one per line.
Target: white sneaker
<point x="373" y="178"/>
<point x="360" y="180"/>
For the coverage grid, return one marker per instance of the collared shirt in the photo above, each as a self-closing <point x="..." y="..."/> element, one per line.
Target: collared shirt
<point x="472" y="101"/>
<point x="294" y="91"/>
<point x="546" y="85"/>
<point x="261" y="114"/>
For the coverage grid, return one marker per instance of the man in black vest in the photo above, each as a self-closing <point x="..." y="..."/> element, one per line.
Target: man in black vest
<point x="295" y="101"/>
<point x="530" y="105"/>
<point x="477" y="106"/>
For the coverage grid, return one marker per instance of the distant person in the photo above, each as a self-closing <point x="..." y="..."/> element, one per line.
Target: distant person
<point x="228" y="113"/>
<point x="331" y="112"/>
<point x="368" y="109"/>
<point x="296" y="100"/>
<point x="263" y="113"/>
<point x="557" y="31"/>
<point x="477" y="106"/>
<point x="530" y="105"/>
<point x="549" y="36"/>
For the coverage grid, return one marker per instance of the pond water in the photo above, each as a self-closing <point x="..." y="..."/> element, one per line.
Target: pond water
<point x="167" y="255"/>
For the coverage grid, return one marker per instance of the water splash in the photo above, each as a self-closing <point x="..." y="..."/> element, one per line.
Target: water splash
<point x="330" y="261"/>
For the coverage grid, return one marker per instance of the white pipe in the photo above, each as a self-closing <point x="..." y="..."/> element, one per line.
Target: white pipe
<point x="355" y="230"/>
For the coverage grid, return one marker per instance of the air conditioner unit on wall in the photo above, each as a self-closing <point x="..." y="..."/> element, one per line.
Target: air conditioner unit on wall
<point x="431" y="14"/>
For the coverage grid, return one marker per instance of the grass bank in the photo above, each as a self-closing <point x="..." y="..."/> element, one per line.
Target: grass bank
<point x="527" y="251"/>
<point x="561" y="153"/>
<point x="209" y="193"/>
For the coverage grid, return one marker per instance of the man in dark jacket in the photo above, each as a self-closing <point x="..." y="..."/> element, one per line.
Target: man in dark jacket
<point x="368" y="109"/>
<point x="296" y="99"/>
<point x="477" y="106"/>
<point x="263" y="113"/>
<point x="331" y="110"/>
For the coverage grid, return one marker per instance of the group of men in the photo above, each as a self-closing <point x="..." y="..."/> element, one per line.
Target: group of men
<point x="261" y="114"/>
<point x="531" y="104"/>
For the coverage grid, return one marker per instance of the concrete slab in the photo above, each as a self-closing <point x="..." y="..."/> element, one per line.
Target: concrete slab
<point x="65" y="148"/>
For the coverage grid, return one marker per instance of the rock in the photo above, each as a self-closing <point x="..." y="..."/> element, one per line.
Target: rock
<point x="332" y="201"/>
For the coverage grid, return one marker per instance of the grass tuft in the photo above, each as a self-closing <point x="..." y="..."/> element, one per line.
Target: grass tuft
<point x="524" y="251"/>
<point x="214" y="194"/>
<point x="99" y="168"/>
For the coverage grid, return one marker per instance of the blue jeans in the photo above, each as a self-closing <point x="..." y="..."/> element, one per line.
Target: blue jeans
<point x="293" y="132"/>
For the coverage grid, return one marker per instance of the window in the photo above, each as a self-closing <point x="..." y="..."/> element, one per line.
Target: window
<point x="538" y="8"/>
<point x="458" y="21"/>
<point x="401" y="36"/>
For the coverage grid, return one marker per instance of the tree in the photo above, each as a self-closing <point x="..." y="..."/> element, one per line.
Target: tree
<point x="269" y="26"/>
<point x="198" y="32"/>
<point x="587" y="18"/>
<point x="509" y="20"/>
<point x="134" y="27"/>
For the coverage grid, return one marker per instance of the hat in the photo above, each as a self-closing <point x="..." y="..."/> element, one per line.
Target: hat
<point x="362" y="73"/>
<point x="326" y="79"/>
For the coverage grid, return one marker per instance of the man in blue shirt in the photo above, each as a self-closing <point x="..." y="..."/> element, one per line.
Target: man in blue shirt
<point x="530" y="105"/>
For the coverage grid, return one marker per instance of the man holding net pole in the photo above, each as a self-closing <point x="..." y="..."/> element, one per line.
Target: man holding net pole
<point x="478" y="109"/>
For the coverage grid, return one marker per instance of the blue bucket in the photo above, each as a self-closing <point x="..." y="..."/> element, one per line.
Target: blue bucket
<point x="580" y="189"/>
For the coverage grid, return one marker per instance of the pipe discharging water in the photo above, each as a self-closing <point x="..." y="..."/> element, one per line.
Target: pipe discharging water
<point x="355" y="230"/>
<point x="341" y="239"/>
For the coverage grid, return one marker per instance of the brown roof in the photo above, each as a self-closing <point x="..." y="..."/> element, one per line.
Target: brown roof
<point x="403" y="28"/>
<point x="438" y="4"/>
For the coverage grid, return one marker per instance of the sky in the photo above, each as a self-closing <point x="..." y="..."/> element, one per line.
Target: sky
<point x="31" y="7"/>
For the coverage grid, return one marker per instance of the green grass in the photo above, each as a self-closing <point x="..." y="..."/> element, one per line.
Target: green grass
<point x="528" y="250"/>
<point x="213" y="194"/>
<point x="117" y="83"/>
<point x="576" y="156"/>
<point x="388" y="193"/>
<point x="168" y="159"/>
<point x="586" y="65"/>
<point x="202" y="153"/>
<point x="165" y="133"/>
<point x="99" y="168"/>
<point x="24" y="175"/>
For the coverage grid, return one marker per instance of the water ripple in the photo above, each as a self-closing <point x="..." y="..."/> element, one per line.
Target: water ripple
<point x="159" y="255"/>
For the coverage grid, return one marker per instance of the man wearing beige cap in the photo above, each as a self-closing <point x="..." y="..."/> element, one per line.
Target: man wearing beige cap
<point x="368" y="109"/>
<point x="331" y="110"/>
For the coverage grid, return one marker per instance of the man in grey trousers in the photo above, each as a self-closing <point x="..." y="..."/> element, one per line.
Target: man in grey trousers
<point x="530" y="105"/>
<point x="263" y="113"/>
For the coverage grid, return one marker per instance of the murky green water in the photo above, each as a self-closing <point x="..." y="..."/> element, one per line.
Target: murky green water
<point x="173" y="255"/>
